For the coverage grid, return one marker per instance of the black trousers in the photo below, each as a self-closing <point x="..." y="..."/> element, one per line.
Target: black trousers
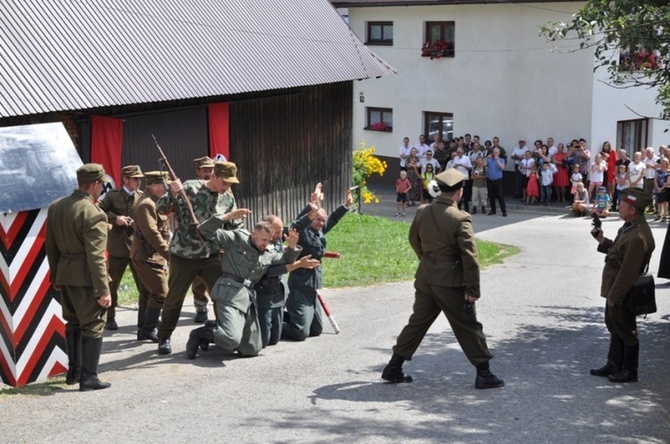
<point x="495" y="189"/>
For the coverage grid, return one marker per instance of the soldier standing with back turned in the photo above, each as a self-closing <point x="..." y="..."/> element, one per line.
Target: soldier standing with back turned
<point x="447" y="280"/>
<point x="76" y="236"/>
<point x="117" y="204"/>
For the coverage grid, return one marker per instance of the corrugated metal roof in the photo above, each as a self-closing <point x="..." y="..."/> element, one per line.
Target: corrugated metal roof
<point x="58" y="55"/>
<point x="374" y="3"/>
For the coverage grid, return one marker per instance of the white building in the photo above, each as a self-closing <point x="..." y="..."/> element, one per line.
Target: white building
<point x="499" y="78"/>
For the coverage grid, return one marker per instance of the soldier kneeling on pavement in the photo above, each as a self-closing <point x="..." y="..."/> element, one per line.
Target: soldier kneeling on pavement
<point x="245" y="261"/>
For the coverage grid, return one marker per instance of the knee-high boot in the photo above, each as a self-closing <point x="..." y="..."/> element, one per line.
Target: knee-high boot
<point x="628" y="373"/>
<point x="73" y="349"/>
<point x="614" y="358"/>
<point x="148" y="330"/>
<point x="91" y="348"/>
<point x="141" y="316"/>
<point x="200" y="337"/>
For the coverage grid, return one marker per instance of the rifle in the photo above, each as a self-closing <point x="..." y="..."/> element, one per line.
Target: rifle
<point x="182" y="193"/>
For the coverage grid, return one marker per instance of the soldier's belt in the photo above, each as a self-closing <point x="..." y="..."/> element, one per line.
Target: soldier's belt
<point x="440" y="258"/>
<point x="239" y="280"/>
<point x="74" y="256"/>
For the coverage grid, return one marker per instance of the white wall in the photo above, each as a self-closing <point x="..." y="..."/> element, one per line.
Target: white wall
<point x="505" y="80"/>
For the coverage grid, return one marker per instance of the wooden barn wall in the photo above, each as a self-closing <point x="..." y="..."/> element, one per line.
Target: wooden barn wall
<point x="182" y="134"/>
<point x="284" y="145"/>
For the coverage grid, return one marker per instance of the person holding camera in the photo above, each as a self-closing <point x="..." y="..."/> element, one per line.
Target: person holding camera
<point x="626" y="258"/>
<point x="117" y="204"/>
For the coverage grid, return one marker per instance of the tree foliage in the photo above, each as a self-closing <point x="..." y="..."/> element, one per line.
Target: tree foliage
<point x="630" y="38"/>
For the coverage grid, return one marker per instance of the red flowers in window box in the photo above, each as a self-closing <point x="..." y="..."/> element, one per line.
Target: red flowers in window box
<point x="380" y="126"/>
<point x="437" y="49"/>
<point x="639" y="61"/>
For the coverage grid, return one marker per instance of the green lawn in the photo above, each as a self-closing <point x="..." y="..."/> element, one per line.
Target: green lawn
<point x="374" y="251"/>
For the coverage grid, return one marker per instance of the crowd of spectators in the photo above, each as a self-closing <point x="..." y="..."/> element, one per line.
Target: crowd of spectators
<point x="543" y="173"/>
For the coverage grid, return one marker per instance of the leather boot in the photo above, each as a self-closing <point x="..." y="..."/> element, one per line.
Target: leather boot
<point x="164" y="347"/>
<point x="141" y="316"/>
<point x="89" y="365"/>
<point x="393" y="371"/>
<point x="614" y="359"/>
<point x="73" y="349"/>
<point x="486" y="379"/>
<point x="197" y="338"/>
<point x="629" y="365"/>
<point x="148" y="331"/>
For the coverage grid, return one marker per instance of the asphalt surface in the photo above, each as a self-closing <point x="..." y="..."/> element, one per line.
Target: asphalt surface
<point x="542" y="316"/>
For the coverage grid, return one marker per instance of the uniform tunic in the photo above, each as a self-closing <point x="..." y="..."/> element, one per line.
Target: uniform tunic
<point x="271" y="293"/>
<point x="448" y="269"/>
<point x="149" y="251"/>
<point x="119" y="203"/>
<point x="76" y="237"/>
<point x="626" y="258"/>
<point x="302" y="307"/>
<point x="243" y="266"/>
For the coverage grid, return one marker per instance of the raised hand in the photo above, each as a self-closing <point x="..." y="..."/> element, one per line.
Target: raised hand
<point x="292" y="238"/>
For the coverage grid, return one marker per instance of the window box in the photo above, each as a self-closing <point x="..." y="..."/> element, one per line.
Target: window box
<point x="639" y="61"/>
<point x="379" y="119"/>
<point x="440" y="38"/>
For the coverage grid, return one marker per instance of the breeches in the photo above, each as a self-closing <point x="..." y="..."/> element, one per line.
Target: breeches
<point x="621" y="323"/>
<point x="153" y="281"/>
<point x="428" y="303"/>
<point x="237" y="330"/>
<point x="304" y="315"/>
<point x="182" y="273"/>
<point x="82" y="311"/>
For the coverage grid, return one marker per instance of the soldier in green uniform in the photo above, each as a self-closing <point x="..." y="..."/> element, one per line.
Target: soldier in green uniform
<point x="204" y="167"/>
<point x="150" y="253"/>
<point x="117" y="204"/>
<point x="626" y="258"/>
<point x="190" y="255"/>
<point x="245" y="261"/>
<point x="76" y="237"/>
<point x="447" y="280"/>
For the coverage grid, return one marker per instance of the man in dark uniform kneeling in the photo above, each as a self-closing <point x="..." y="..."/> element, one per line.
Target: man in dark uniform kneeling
<point x="447" y="280"/>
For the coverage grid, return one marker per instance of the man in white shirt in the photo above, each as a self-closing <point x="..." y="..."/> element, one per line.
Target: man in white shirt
<point x="421" y="147"/>
<point x="404" y="153"/>
<point x="552" y="148"/>
<point x="462" y="163"/>
<point x="429" y="160"/>
<point x="650" y="164"/>
<point x="518" y="154"/>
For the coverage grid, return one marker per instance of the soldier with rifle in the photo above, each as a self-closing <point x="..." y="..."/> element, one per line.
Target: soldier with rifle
<point x="194" y="201"/>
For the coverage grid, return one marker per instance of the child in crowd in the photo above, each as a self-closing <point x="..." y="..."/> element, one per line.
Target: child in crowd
<point x="622" y="183"/>
<point x="425" y="179"/>
<point x="533" y="188"/>
<point x="575" y="178"/>
<point x="597" y="174"/>
<point x="524" y="166"/>
<point x="546" y="179"/>
<point x="661" y="190"/>
<point x="602" y="203"/>
<point x="479" y="189"/>
<point x="402" y="186"/>
<point x="580" y="201"/>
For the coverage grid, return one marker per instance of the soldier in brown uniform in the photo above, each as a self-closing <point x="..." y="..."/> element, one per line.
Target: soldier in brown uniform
<point x="150" y="253"/>
<point x="626" y="258"/>
<point x="117" y="204"/>
<point x="76" y="237"/>
<point x="447" y="280"/>
<point x="204" y="167"/>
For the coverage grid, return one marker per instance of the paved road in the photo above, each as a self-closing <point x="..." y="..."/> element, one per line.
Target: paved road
<point x="540" y="310"/>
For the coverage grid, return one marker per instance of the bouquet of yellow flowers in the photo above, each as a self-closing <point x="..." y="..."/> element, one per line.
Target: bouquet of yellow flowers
<point x="365" y="164"/>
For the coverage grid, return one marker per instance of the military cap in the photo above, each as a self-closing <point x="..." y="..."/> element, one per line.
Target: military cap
<point x="226" y="171"/>
<point x="203" y="162"/>
<point x="156" y="177"/>
<point x="91" y="172"/>
<point x="131" y="171"/>
<point x="636" y="197"/>
<point x="450" y="180"/>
